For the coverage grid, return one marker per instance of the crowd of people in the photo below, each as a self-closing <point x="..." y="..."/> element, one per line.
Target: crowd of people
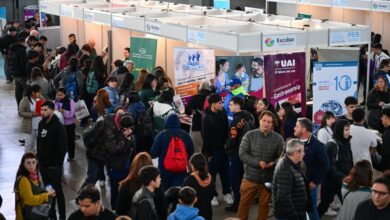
<point x="260" y="153"/>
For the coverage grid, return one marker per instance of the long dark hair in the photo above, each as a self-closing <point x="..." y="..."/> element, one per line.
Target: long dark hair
<point x="359" y="176"/>
<point x="86" y="67"/>
<point x="148" y="81"/>
<point x="326" y="116"/>
<point x="73" y="64"/>
<point x="98" y="67"/>
<point x="166" y="95"/>
<point x="161" y="82"/>
<point x="199" y="162"/>
<point x="289" y="111"/>
<point x="127" y="83"/>
<point x="22" y="171"/>
<point x="71" y="50"/>
<point x="219" y="63"/>
<point x="31" y="89"/>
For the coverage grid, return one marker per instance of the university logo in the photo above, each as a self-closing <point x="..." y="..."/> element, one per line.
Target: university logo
<point x="193" y="62"/>
<point x="142" y="51"/>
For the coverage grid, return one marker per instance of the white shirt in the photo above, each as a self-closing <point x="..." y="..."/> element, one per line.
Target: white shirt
<point x="379" y="58"/>
<point x="362" y="140"/>
<point x="325" y="134"/>
<point x="35" y="120"/>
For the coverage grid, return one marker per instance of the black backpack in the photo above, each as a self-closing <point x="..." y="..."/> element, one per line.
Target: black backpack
<point x="145" y="124"/>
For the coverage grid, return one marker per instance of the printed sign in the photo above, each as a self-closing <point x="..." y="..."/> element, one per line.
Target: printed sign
<point x="279" y="41"/>
<point x="152" y="27"/>
<point x="344" y="37"/>
<point x="89" y="16"/>
<point x="143" y="53"/>
<point x="118" y="22"/>
<point x="197" y="37"/>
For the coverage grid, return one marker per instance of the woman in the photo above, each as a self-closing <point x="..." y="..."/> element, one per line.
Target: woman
<point x="31" y="118"/>
<point x="38" y="79"/>
<point x="67" y="107"/>
<point x="85" y="55"/>
<point x="341" y="162"/>
<point x="28" y="190"/>
<point x="129" y="186"/>
<point x="326" y="132"/>
<point x="140" y="81"/>
<point x="289" y="117"/>
<point x="100" y="71"/>
<point x="162" y="108"/>
<point x="72" y="80"/>
<point x="160" y="72"/>
<point x="376" y="100"/>
<point x="356" y="188"/>
<point x="147" y="90"/>
<point x="261" y="105"/>
<point x="102" y="105"/>
<point x="111" y="88"/>
<point x="162" y="82"/>
<point x="71" y="52"/>
<point x="127" y="85"/>
<point x="222" y="77"/>
<point x="201" y="180"/>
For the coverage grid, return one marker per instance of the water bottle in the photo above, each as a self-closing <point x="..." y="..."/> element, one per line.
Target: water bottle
<point x="48" y="187"/>
<point x="71" y="95"/>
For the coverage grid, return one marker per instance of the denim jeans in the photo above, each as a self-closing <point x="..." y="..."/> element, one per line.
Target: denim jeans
<point x="20" y="88"/>
<point x="219" y="163"/>
<point x="236" y="172"/>
<point x="94" y="172"/>
<point x="314" y="214"/>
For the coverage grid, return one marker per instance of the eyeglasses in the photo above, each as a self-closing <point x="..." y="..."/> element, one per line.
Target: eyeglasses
<point x="31" y="162"/>
<point x="380" y="193"/>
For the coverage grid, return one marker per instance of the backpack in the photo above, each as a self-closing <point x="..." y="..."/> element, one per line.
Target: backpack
<point x="145" y="124"/>
<point x="176" y="158"/>
<point x="93" y="142"/>
<point x="134" y="207"/>
<point x="159" y="121"/>
<point x="72" y="87"/>
<point x="92" y="84"/>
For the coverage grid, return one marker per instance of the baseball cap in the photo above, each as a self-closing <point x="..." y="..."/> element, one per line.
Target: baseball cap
<point x="235" y="81"/>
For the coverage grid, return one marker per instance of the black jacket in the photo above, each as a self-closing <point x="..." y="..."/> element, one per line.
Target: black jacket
<point x="105" y="214"/>
<point x="23" y="34"/>
<point x="17" y="60"/>
<point x="6" y="42"/>
<point x="367" y="210"/>
<point x="215" y="130"/>
<point x="195" y="108"/>
<point x="384" y="150"/>
<point x="51" y="142"/>
<point x="289" y="191"/>
<point x="242" y="123"/>
<point x="373" y="99"/>
<point x="340" y="156"/>
<point x="144" y="206"/>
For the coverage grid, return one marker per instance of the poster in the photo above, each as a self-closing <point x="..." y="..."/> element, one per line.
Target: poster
<point x="332" y="83"/>
<point x="3" y="17"/>
<point x="285" y="80"/>
<point x="143" y="54"/>
<point x="250" y="69"/>
<point x="191" y="68"/>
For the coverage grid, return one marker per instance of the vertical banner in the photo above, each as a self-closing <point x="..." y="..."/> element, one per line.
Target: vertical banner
<point x="143" y="54"/>
<point x="191" y="67"/>
<point x="285" y="80"/>
<point x="3" y="17"/>
<point x="332" y="83"/>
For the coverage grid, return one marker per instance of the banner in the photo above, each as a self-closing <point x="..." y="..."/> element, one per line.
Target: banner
<point x="143" y="54"/>
<point x="249" y="69"/>
<point x="285" y="80"/>
<point x="332" y="83"/>
<point x="3" y="17"/>
<point x="192" y="67"/>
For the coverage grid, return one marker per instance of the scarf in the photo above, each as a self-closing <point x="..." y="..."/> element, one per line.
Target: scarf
<point x="34" y="177"/>
<point x="65" y="103"/>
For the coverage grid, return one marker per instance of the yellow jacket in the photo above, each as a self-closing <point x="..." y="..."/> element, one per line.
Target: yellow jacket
<point x="26" y="197"/>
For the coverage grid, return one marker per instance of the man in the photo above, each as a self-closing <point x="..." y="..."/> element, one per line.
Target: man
<point x="26" y="32"/>
<point x="242" y="123"/>
<point x="185" y="209"/>
<point x="92" y="44"/>
<point x="289" y="193"/>
<point x="90" y="206"/>
<point x="215" y="131"/>
<point x="126" y="54"/>
<point x="382" y="71"/>
<point x="143" y="207"/>
<point x="316" y="160"/>
<point x="30" y="42"/>
<point x="378" y="54"/>
<point x="259" y="151"/>
<point x="17" y="62"/>
<point x="384" y="151"/>
<point x="51" y="150"/>
<point x="72" y="40"/>
<point x="378" y="207"/>
<point x="38" y="47"/>
<point x="236" y="89"/>
<point x="7" y="41"/>
<point x="116" y="65"/>
<point x="257" y="76"/>
<point x="129" y="65"/>
<point x="363" y="141"/>
<point x="350" y="104"/>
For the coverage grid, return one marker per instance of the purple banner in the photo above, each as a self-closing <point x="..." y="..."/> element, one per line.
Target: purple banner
<point x="285" y="80"/>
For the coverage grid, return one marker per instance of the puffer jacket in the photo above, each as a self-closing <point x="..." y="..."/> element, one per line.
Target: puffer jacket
<point x="289" y="191"/>
<point x="27" y="115"/>
<point x="17" y="60"/>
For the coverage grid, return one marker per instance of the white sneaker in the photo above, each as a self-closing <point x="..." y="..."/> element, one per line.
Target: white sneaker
<point x="330" y="212"/>
<point x="102" y="183"/>
<point x="228" y="199"/>
<point x="215" y="202"/>
<point x="335" y="206"/>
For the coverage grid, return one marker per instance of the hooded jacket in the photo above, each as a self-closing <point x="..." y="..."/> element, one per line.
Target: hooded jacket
<point x="204" y="191"/>
<point x="340" y="156"/>
<point x="135" y="109"/>
<point x="184" y="212"/>
<point x="162" y="140"/>
<point x="51" y="142"/>
<point x="120" y="74"/>
<point x="215" y="130"/>
<point x="240" y="92"/>
<point x="242" y="123"/>
<point x="17" y="60"/>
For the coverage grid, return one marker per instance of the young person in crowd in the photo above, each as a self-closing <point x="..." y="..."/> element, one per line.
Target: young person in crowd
<point x="126" y="54"/>
<point x="236" y="89"/>
<point x="259" y="151"/>
<point x="71" y="52"/>
<point x="215" y="131"/>
<point x="67" y="107"/>
<point x="16" y="63"/>
<point x="378" y="54"/>
<point x="341" y="162"/>
<point x="38" y="79"/>
<point x="90" y="206"/>
<point x="147" y="90"/>
<point x="162" y="108"/>
<point x="356" y="188"/>
<point x="202" y="182"/>
<point x="72" y="80"/>
<point x="141" y="78"/>
<point x="27" y="187"/>
<point x="326" y="128"/>
<point x="385" y="151"/>
<point x="102" y="105"/>
<point x="376" y="100"/>
<point x="383" y="71"/>
<point x="288" y="117"/>
<point x="111" y="88"/>
<point x="185" y="209"/>
<point x="316" y="160"/>
<point x="31" y="118"/>
<point x="261" y="105"/>
<point x="350" y="104"/>
<point x="241" y="124"/>
<point x="99" y="71"/>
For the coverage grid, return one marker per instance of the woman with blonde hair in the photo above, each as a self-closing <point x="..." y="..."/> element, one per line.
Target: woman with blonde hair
<point x="130" y="185"/>
<point x="140" y="81"/>
<point x="376" y="100"/>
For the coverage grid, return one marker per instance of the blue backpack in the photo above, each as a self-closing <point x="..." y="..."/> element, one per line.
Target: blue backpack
<point x="72" y="87"/>
<point x="92" y="84"/>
